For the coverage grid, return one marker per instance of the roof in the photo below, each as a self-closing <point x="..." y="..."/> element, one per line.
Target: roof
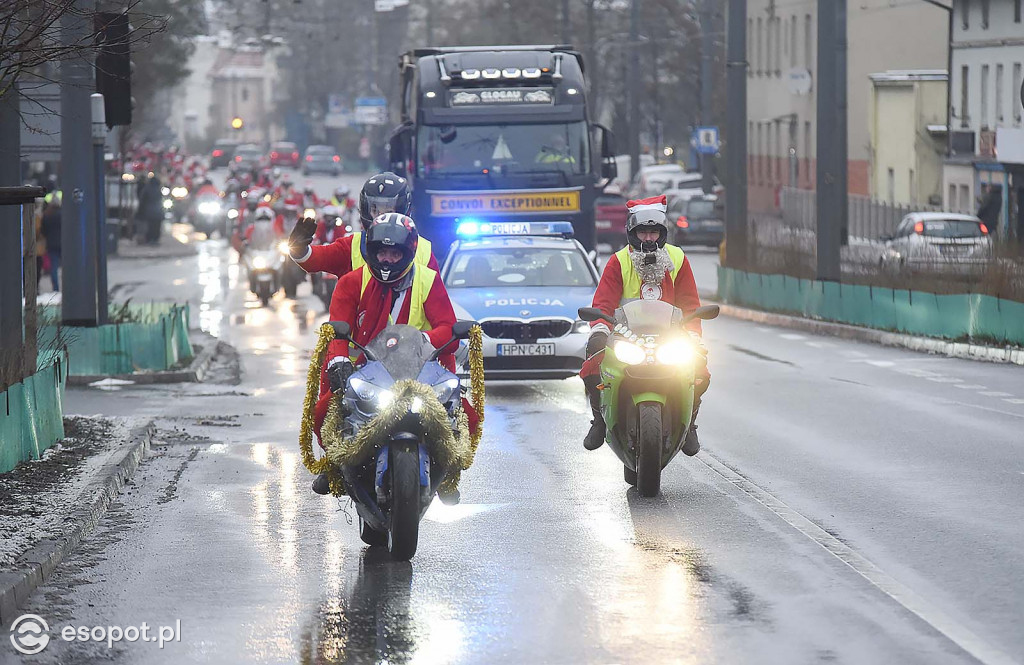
<point x="943" y="216"/>
<point x="908" y="75"/>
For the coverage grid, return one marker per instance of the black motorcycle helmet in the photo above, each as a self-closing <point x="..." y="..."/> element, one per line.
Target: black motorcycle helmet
<point x="383" y="193"/>
<point x="647" y="215"/>
<point x="390" y="230"/>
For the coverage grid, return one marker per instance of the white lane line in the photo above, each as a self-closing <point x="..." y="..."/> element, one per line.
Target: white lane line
<point x="853" y="354"/>
<point x="995" y="393"/>
<point x="793" y="336"/>
<point x="920" y="373"/>
<point x="971" y="386"/>
<point x="933" y="616"/>
<point x="762" y="329"/>
<point x="944" y="379"/>
<point x="1014" y="401"/>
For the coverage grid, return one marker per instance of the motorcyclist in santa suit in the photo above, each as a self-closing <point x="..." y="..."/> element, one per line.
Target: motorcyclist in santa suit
<point x="646" y="268"/>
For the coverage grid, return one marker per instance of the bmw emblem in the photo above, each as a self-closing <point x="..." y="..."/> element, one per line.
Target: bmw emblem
<point x="524" y="312"/>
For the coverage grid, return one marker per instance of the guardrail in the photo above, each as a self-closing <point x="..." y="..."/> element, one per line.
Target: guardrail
<point x="868" y="218"/>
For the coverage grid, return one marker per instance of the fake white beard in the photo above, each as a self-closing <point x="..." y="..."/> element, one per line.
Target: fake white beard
<point x="651" y="273"/>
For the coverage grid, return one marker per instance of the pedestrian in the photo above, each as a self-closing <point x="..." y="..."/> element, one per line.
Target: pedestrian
<point x="51" y="229"/>
<point x="151" y="210"/>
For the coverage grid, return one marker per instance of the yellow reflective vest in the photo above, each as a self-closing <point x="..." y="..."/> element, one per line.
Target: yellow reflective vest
<point x="631" y="280"/>
<point x="423" y="251"/>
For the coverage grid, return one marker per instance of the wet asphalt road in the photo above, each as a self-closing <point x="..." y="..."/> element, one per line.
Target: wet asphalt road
<point x="852" y="504"/>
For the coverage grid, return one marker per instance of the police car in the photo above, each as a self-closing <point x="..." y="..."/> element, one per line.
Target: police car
<point x="524" y="282"/>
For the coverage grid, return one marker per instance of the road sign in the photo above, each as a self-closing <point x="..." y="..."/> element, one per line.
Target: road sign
<point x="705" y="140"/>
<point x="371" y="111"/>
<point x="336" y="103"/>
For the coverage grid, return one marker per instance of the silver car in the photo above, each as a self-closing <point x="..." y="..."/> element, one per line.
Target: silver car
<point x="938" y="237"/>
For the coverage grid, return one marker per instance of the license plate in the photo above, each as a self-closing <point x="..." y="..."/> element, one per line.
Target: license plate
<point x="602" y="224"/>
<point x="526" y="349"/>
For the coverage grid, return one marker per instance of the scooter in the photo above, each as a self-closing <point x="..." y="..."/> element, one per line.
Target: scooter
<point x="647" y="379"/>
<point x="394" y="484"/>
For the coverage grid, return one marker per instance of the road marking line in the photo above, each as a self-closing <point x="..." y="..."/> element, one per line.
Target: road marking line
<point x="793" y="336"/>
<point x="970" y="386"/>
<point x="995" y="393"/>
<point x="1014" y="401"/>
<point x="933" y="616"/>
<point x="944" y="379"/>
<point x="853" y="354"/>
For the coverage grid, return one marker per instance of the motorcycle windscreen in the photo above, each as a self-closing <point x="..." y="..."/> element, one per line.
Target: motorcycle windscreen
<point x="263" y="235"/>
<point x="402" y="350"/>
<point x="650" y="317"/>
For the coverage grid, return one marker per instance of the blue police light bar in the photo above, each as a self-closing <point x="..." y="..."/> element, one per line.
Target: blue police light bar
<point x="474" y="228"/>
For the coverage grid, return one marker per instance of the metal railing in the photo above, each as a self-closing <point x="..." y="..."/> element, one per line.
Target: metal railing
<point x="868" y="219"/>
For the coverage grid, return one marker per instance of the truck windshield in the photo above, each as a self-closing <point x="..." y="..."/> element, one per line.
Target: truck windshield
<point x="503" y="149"/>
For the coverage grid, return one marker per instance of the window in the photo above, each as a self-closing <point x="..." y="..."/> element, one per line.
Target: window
<point x="771" y="155"/>
<point x="913" y="193"/>
<point x="965" y="6"/>
<point x="760" y="153"/>
<point x="778" y="47"/>
<point x="777" y="158"/>
<point x="552" y="149"/>
<point x="751" y="55"/>
<point x="984" y="14"/>
<point x="758" y="55"/>
<point x="1016" y="11"/>
<point x="964" y="87"/>
<point x="792" y="41"/>
<point x="984" y="96"/>
<point x="965" y="198"/>
<point x="1016" y="86"/>
<point x="750" y="152"/>
<point x="769" y="50"/>
<point x="892" y="186"/>
<point x="951" y="203"/>
<point x="808" y="43"/>
<point x="808" y="152"/>
<point x="519" y="267"/>
<point x="245" y="94"/>
<point x="999" y="94"/>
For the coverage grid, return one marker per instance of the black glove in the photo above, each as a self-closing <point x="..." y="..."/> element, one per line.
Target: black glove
<point x="301" y="237"/>
<point x="338" y="373"/>
<point x="597" y="342"/>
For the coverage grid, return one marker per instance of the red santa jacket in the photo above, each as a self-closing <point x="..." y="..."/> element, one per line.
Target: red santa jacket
<point x="336" y="258"/>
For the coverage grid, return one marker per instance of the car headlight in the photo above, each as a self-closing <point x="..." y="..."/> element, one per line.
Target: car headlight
<point x="168" y="204"/>
<point x="233" y="214"/>
<point x="628" y="352"/>
<point x="446" y="389"/>
<point x="259" y="262"/>
<point x="581" y="326"/>
<point x="209" y="208"/>
<point x="179" y="192"/>
<point x="283" y="247"/>
<point x="675" y="352"/>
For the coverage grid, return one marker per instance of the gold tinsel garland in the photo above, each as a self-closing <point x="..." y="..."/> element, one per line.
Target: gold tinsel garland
<point x="456" y="452"/>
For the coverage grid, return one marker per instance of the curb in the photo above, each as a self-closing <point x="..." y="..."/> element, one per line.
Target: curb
<point x="193" y="374"/>
<point x="37" y="564"/>
<point x="930" y="345"/>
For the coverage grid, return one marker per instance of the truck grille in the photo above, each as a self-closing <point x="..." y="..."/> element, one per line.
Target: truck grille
<point x="519" y="330"/>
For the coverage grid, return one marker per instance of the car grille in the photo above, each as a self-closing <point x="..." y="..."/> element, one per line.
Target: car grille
<point x="528" y="330"/>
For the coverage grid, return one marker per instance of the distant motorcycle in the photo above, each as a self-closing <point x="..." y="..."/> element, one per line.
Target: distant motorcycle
<point x="394" y="484"/>
<point x="264" y="259"/>
<point x="648" y="375"/>
<point x="209" y="214"/>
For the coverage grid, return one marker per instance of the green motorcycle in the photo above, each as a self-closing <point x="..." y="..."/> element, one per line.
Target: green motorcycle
<point x="647" y="377"/>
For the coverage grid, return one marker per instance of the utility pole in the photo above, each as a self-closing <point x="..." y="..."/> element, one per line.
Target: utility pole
<point x="99" y="136"/>
<point x="707" y="45"/>
<point x="11" y="296"/>
<point x="633" y="88"/>
<point x="736" y="127"/>
<point x="566" y="36"/>
<point x="831" y="196"/>
<point x="78" y="215"/>
<point x="430" y="22"/>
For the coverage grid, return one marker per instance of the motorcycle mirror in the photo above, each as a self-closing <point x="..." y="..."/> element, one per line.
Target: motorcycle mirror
<point x="591" y="314"/>
<point x="342" y="329"/>
<point x="704" y="313"/>
<point x="461" y="329"/>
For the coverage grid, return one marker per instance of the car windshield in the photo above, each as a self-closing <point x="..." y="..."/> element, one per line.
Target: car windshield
<point x="319" y="150"/>
<point x="484" y="149"/>
<point x="700" y="208"/>
<point x="248" y="151"/>
<point x="519" y="267"/>
<point x="953" y="228"/>
<point x="283" y="146"/>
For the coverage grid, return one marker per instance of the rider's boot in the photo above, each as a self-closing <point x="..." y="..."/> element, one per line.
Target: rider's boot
<point x="595" y="437"/>
<point x="691" y="445"/>
<point x="448" y="492"/>
<point x="321" y="485"/>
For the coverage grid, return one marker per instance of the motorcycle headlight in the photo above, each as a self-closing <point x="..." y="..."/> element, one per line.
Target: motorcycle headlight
<point x="179" y="192"/>
<point x="581" y="326"/>
<point x="309" y="213"/>
<point x="446" y="389"/>
<point x="233" y="214"/>
<point x="209" y="208"/>
<point x="675" y="352"/>
<point x="370" y="394"/>
<point x="283" y="247"/>
<point x="629" y="353"/>
<point x="259" y="262"/>
<point x="168" y="204"/>
<point x="165" y="191"/>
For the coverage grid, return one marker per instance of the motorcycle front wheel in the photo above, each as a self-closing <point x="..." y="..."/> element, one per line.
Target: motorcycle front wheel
<point x="371" y="536"/>
<point x="648" y="449"/>
<point x="403" y="534"/>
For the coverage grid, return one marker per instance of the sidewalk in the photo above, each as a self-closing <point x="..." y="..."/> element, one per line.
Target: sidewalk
<point x="176" y="241"/>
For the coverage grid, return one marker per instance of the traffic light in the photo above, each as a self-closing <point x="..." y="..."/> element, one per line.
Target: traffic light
<point x="114" y="67"/>
<point x="236" y="123"/>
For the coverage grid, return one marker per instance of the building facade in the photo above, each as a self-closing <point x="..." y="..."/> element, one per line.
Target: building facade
<point x="782" y="76"/>
<point x="988" y="57"/>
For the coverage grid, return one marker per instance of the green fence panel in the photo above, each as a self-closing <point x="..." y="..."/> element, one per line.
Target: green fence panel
<point x="32" y="414"/>
<point x="915" y="312"/>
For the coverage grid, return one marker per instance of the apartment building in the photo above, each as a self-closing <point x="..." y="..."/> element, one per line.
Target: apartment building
<point x="781" y="85"/>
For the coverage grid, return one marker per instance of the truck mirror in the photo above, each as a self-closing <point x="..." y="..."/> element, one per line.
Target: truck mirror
<point x="399" y="149"/>
<point x="609" y="167"/>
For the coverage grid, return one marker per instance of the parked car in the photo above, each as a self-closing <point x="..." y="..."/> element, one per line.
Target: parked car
<point x="321" y="159"/>
<point x="938" y="237"/>
<point x="698" y="220"/>
<point x="248" y="156"/>
<point x="284" y="153"/>
<point x="610" y="217"/>
<point x="222" y="153"/>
